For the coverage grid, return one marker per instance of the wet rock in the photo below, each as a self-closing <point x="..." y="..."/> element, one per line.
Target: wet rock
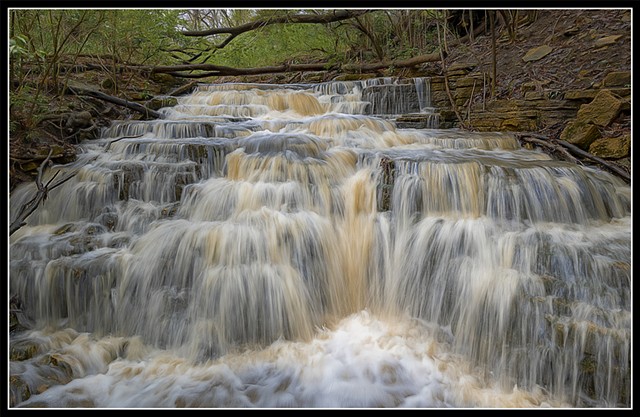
<point x="22" y="351"/>
<point x="160" y="102"/>
<point x="36" y="404"/>
<point x="625" y="164"/>
<point x="392" y="98"/>
<point x="418" y="121"/>
<point x="19" y="390"/>
<point x="61" y="371"/>
<point x="17" y="319"/>
<point x="385" y="188"/>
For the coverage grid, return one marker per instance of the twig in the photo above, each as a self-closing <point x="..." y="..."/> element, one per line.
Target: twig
<point x="82" y="130"/>
<point x="473" y="89"/>
<point x="40" y="170"/>
<point x="183" y="89"/>
<point x="454" y="107"/>
<point x="484" y="90"/>
<point x="120" y="138"/>
<point x="41" y="194"/>
<point x="446" y="84"/>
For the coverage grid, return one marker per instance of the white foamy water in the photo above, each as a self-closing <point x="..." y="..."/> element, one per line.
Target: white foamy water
<point x="363" y="362"/>
<point x="270" y="246"/>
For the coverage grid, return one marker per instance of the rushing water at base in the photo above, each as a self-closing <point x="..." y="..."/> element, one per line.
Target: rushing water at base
<point x="290" y="246"/>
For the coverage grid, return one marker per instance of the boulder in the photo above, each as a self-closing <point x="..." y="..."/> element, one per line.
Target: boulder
<point x="611" y="148"/>
<point x="580" y="133"/>
<point x="79" y="120"/>
<point x="603" y="110"/>
<point x="164" y="79"/>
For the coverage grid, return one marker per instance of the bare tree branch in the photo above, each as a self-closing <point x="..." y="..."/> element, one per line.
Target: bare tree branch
<point x="125" y="103"/>
<point x="41" y="194"/>
<point x="233" y="32"/>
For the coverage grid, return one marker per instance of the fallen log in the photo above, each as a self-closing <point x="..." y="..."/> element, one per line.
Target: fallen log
<point x="403" y="63"/>
<point x="147" y="112"/>
<point x="539" y="140"/>
<point x="577" y="151"/>
<point x="568" y="149"/>
<point x="210" y="70"/>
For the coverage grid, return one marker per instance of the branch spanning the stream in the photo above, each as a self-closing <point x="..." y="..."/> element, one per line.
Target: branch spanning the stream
<point x="212" y="70"/>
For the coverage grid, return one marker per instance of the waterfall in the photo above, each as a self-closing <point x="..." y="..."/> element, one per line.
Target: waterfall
<point x="277" y="246"/>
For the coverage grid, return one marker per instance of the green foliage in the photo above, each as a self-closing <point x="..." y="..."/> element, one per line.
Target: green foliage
<point x="18" y="47"/>
<point x="275" y="44"/>
<point x="24" y="105"/>
<point x="153" y="36"/>
<point x="390" y="34"/>
<point x="136" y="36"/>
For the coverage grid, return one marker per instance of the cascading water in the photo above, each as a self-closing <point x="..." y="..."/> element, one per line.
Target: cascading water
<point x="289" y="246"/>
